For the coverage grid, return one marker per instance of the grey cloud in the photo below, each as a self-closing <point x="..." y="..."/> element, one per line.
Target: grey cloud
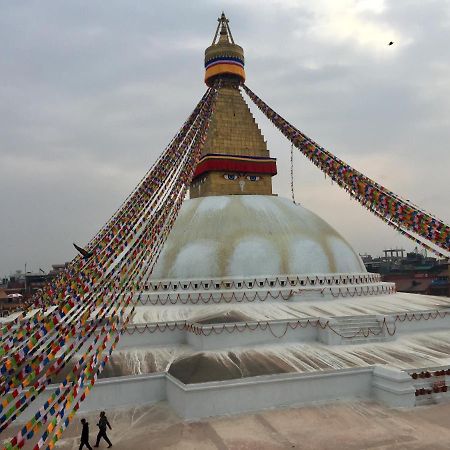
<point x="91" y="92"/>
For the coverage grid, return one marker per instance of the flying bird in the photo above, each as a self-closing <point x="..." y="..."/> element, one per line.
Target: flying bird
<point x="83" y="252"/>
<point x="391" y="43"/>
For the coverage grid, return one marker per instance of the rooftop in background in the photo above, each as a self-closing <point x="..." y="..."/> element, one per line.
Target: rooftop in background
<point x="26" y="284"/>
<point x="416" y="272"/>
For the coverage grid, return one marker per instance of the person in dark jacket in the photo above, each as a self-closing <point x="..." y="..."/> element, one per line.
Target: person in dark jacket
<point x="102" y="424"/>
<point x="85" y="435"/>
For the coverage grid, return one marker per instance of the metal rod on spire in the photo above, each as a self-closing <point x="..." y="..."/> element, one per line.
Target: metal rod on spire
<point x="224" y="29"/>
<point x="229" y="29"/>
<point x="217" y="32"/>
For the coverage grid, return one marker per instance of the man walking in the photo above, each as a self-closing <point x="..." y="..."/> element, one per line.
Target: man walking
<point x="102" y="424"/>
<point x="85" y="435"/>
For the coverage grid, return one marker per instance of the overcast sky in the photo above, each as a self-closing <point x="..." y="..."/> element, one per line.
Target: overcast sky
<point x="92" y="91"/>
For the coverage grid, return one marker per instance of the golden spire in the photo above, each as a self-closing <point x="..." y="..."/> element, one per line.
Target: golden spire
<point x="235" y="159"/>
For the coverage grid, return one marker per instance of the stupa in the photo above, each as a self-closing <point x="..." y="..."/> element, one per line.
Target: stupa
<point x="234" y="225"/>
<point x="257" y="302"/>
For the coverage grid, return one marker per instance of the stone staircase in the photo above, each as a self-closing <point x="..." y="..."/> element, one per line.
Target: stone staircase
<point x="355" y="329"/>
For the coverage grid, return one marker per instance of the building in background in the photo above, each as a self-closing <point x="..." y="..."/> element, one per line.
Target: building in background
<point x="17" y="289"/>
<point x="415" y="273"/>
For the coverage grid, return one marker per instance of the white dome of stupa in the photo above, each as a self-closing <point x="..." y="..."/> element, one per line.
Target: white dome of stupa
<point x="252" y="235"/>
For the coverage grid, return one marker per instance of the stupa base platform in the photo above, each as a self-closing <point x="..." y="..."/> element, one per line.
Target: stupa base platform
<point x="412" y="371"/>
<point x="233" y="358"/>
<point x="295" y="356"/>
<point x="386" y="385"/>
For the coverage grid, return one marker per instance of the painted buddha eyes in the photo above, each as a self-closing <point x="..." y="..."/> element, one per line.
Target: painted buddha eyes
<point x="233" y="176"/>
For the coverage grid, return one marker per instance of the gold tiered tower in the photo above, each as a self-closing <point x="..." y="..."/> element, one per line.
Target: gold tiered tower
<point x="235" y="159"/>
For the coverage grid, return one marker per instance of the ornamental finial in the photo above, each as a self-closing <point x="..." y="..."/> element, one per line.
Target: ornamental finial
<point x="225" y="32"/>
<point x="223" y="57"/>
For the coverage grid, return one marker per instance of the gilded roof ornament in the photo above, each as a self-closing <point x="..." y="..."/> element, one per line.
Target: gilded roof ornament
<point x="223" y="57"/>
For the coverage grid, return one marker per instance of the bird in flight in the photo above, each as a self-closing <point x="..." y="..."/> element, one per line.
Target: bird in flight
<point x="391" y="43"/>
<point x="83" y="252"/>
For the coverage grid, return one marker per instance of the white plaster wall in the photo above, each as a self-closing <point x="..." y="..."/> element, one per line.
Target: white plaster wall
<point x="196" y="401"/>
<point x="112" y="393"/>
<point x="162" y="338"/>
<point x="124" y="391"/>
<point x="261" y="337"/>
<point x="393" y="387"/>
<point x="416" y="326"/>
<point x="388" y="385"/>
<point x="248" y="337"/>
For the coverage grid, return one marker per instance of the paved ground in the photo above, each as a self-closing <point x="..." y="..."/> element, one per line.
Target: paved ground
<point x="352" y="426"/>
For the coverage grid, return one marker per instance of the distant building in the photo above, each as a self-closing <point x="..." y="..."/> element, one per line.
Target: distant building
<point x="10" y="303"/>
<point x="16" y="290"/>
<point x="415" y="273"/>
